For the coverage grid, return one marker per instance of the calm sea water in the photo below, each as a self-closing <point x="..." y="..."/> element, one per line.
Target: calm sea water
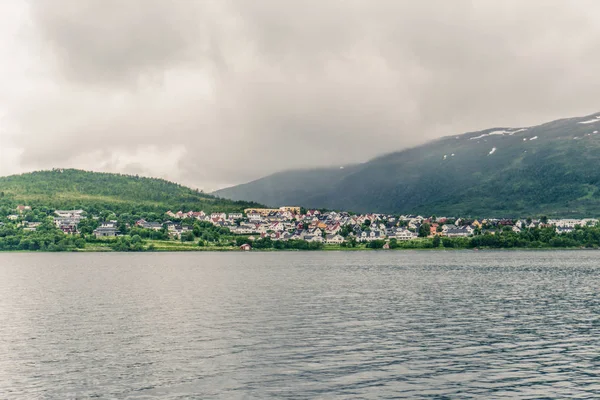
<point x="365" y="325"/>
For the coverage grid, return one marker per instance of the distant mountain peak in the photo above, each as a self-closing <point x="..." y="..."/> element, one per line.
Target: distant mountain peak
<point x="542" y="169"/>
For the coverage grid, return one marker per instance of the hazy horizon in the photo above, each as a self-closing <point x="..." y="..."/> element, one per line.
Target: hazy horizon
<point x="273" y="172"/>
<point x="217" y="93"/>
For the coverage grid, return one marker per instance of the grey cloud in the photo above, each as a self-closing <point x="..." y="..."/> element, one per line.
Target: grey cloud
<point x="111" y="41"/>
<point x="232" y="90"/>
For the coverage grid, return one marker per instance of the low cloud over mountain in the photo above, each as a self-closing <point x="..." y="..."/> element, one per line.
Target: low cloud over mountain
<point x="213" y="93"/>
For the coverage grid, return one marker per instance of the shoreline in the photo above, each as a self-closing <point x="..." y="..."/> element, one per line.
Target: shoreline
<point x="361" y="249"/>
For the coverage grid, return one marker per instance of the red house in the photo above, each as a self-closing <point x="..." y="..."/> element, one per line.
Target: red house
<point x="245" y="247"/>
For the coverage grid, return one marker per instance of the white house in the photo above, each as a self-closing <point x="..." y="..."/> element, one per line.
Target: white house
<point x="459" y="232"/>
<point x="105" y="231"/>
<point x="405" y="234"/>
<point x="316" y="232"/>
<point x="31" y="226"/>
<point x="334" y="239"/>
<point x="565" y="223"/>
<point x="565" y="229"/>
<point x="243" y="229"/>
<point x="69" y="213"/>
<point x="317" y="239"/>
<point x="21" y="209"/>
<point x="369" y="236"/>
<point x="254" y="217"/>
<point x="263" y="228"/>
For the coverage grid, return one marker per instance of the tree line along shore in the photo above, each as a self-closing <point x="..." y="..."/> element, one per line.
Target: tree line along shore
<point x="38" y="228"/>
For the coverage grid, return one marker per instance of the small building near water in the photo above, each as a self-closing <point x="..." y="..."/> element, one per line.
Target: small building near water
<point x="105" y="231"/>
<point x="245" y="247"/>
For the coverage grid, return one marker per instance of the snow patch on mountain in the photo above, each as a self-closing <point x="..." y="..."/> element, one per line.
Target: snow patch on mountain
<point x="493" y="133"/>
<point x="517" y="131"/>
<point x="591" y="121"/>
<point x="500" y="132"/>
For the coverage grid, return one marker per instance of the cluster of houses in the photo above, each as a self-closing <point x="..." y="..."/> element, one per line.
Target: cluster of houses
<point x="290" y="223"/>
<point x="68" y="221"/>
<point x="175" y="230"/>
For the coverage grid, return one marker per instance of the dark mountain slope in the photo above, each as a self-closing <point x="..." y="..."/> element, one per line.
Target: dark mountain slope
<point x="546" y="169"/>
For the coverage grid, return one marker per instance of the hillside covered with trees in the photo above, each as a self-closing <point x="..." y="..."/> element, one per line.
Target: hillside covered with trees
<point x="95" y="192"/>
<point x="549" y="169"/>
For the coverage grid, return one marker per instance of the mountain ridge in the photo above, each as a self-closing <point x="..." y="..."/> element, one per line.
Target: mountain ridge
<point x="541" y="169"/>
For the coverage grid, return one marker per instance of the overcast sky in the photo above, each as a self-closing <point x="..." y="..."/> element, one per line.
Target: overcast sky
<point x="214" y="93"/>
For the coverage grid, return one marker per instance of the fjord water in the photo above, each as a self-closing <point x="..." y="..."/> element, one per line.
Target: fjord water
<point x="300" y="325"/>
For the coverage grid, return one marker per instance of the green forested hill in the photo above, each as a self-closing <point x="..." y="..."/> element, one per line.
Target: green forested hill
<point x="551" y="169"/>
<point x="74" y="189"/>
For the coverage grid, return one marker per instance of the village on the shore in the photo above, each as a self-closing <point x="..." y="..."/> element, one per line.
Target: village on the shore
<point x="313" y="226"/>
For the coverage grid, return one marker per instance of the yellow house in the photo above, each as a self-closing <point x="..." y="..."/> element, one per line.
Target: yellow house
<point x="292" y="209"/>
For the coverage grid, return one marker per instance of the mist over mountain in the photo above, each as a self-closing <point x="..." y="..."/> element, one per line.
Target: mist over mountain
<point x="503" y="171"/>
<point x="217" y="93"/>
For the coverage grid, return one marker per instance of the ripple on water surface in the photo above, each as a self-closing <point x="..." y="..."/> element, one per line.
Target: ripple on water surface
<point x="300" y="325"/>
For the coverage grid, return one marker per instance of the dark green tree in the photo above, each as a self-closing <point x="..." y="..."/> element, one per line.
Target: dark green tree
<point x="424" y="230"/>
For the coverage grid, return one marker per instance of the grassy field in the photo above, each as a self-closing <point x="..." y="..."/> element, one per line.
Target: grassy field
<point x="177" y="246"/>
<point x="163" y="245"/>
